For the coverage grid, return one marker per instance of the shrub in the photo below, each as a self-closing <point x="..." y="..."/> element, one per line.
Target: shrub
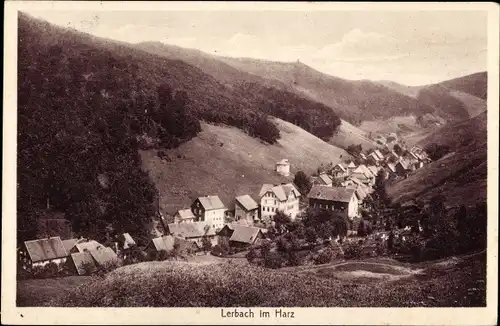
<point x="352" y="251"/>
<point x="252" y="254"/>
<point x="273" y="260"/>
<point x="219" y="251"/>
<point x="325" y="256"/>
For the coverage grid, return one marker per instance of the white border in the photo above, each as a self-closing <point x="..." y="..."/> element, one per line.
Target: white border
<point x="142" y="316"/>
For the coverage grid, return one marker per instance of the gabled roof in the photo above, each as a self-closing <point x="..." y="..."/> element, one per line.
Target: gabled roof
<point x="191" y="230"/>
<point x="337" y="194"/>
<point x="45" y="249"/>
<point x="69" y="244"/>
<point x="128" y="241"/>
<point x="339" y="166"/>
<point x="377" y="152"/>
<point x="89" y="245"/>
<point x="211" y="202"/>
<point x="374" y="156"/>
<point x="351" y="165"/>
<point x="83" y="261"/>
<point x="360" y="192"/>
<point x="103" y="255"/>
<point x="165" y="243"/>
<point x="244" y="234"/>
<point x="364" y="170"/>
<point x="363" y="156"/>
<point x="403" y="163"/>
<point x="373" y="169"/>
<point x="325" y="178"/>
<point x="185" y="214"/>
<point x="283" y="162"/>
<point x="391" y="167"/>
<point x="247" y="202"/>
<point x="281" y="191"/>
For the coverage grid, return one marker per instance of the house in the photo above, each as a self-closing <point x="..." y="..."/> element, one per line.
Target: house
<point x="184" y="216"/>
<point x="374" y="157"/>
<point x="246" y="209"/>
<point x="126" y="241"/>
<point x="69" y="244"/>
<point x="40" y="252"/>
<point x="283" y="167"/>
<point x="392" y="156"/>
<point x="363" y="156"/>
<point x="240" y="235"/>
<point x="283" y="197"/>
<point x="83" y="263"/>
<point x="361" y="193"/>
<point x="374" y="169"/>
<point x="86" y="245"/>
<point x="104" y="256"/>
<point x="351" y="167"/>
<point x="245" y="235"/>
<point x="335" y="199"/>
<point x="390" y="168"/>
<point x="363" y="173"/>
<point x="323" y="179"/>
<point x="193" y="232"/>
<point x="377" y="155"/>
<point x="402" y="168"/>
<point x="168" y="243"/>
<point x="210" y="210"/>
<point x="338" y="171"/>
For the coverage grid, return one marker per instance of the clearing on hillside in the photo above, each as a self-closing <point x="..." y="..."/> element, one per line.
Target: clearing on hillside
<point x="225" y="161"/>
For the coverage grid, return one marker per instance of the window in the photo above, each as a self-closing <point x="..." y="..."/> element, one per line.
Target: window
<point x="275" y="202"/>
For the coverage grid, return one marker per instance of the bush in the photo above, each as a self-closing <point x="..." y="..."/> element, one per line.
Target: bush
<point x="352" y="251"/>
<point x="324" y="257"/>
<point x="252" y="254"/>
<point x="273" y="260"/>
<point x="219" y="251"/>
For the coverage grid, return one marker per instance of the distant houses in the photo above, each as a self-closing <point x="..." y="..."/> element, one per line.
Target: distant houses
<point x="237" y="235"/>
<point x="339" y="199"/>
<point x="210" y="210"/>
<point x="323" y="179"/>
<point x="339" y="171"/>
<point x="283" y="167"/>
<point x="283" y="197"/>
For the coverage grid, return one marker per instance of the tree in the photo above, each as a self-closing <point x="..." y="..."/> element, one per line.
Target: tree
<point x="302" y="181"/>
<point x="436" y="151"/>
<point x="206" y="243"/>
<point x="311" y="234"/>
<point x="281" y="221"/>
<point x="355" y="150"/>
<point x="398" y="150"/>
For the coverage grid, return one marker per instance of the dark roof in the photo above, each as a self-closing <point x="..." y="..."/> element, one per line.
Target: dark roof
<point x="247" y="202"/>
<point x="337" y="194"/>
<point x="244" y="234"/>
<point x="191" y="230"/>
<point x="45" y="249"/>
<point x="211" y="202"/>
<point x="82" y="260"/>
<point x="103" y="255"/>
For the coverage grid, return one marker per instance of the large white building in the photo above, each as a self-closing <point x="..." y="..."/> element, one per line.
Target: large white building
<point x="274" y="198"/>
<point x="210" y="210"/>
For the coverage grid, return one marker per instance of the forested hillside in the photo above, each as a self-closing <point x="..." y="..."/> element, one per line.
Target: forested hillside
<point x="87" y="104"/>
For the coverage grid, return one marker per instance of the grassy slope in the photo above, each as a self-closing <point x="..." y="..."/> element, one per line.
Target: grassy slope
<point x="348" y="134"/>
<point x="460" y="176"/>
<point x="223" y="284"/>
<point x="241" y="165"/>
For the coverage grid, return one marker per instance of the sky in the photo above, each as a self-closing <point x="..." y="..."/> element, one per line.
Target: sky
<point x="411" y="48"/>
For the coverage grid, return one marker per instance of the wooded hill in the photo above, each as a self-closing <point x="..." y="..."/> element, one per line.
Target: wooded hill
<point x="85" y="101"/>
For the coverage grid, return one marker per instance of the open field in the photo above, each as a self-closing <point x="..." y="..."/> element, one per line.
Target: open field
<point x="456" y="281"/>
<point x="348" y="134"/>
<point x="225" y="161"/>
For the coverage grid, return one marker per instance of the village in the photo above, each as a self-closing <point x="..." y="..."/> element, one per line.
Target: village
<point x="208" y="225"/>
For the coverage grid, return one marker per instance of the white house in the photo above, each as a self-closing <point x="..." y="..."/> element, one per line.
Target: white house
<point x="339" y="171"/>
<point x="274" y="198"/>
<point x="283" y="167"/>
<point x="211" y="210"/>
<point x="40" y="252"/>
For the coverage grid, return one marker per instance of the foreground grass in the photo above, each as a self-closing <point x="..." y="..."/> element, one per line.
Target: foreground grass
<point x="228" y="284"/>
<point x="40" y="292"/>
